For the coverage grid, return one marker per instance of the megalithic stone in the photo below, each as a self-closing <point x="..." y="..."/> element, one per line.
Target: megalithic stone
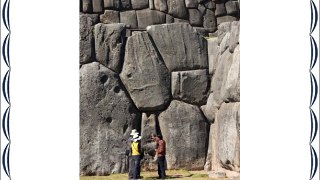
<point x="97" y="6"/>
<point x="145" y="75"/>
<point x="87" y="6"/>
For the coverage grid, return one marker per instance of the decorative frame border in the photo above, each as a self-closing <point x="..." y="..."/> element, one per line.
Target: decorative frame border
<point x="6" y="89"/>
<point x="314" y="90"/>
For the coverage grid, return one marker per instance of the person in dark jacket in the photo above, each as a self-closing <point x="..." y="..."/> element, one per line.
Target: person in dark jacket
<point x="161" y="153"/>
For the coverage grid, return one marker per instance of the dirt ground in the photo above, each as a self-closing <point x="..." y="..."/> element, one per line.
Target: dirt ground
<point x="149" y="175"/>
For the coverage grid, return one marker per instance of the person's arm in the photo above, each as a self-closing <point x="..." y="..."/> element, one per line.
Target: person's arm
<point x="161" y="147"/>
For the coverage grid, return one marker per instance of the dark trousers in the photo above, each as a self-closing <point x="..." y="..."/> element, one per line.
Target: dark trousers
<point x="161" y="167"/>
<point x="136" y="166"/>
<point x="130" y="167"/>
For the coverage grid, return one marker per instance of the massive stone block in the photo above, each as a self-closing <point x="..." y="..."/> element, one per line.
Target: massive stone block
<point x="97" y="6"/>
<point x="234" y="35"/>
<point x="226" y="19"/>
<point x="190" y="86"/>
<point x="107" y="116"/>
<point x="191" y="3"/>
<point x="112" y="4"/>
<point x="210" y="5"/>
<point x="209" y="19"/>
<point x="125" y="4"/>
<point x="110" y="17"/>
<point x="177" y="9"/>
<point x="213" y="54"/>
<point x="185" y="131"/>
<point x="145" y="75"/>
<point x="148" y="17"/>
<point x="129" y="18"/>
<point x="109" y="44"/>
<point x="230" y="90"/>
<point x="87" y="6"/>
<point x="161" y="5"/>
<point x="139" y="4"/>
<point x="180" y="46"/>
<point x="232" y="7"/>
<point x="224" y="45"/>
<point x="195" y="17"/>
<point x="226" y="138"/>
<point x="208" y="164"/>
<point x="86" y="37"/>
<point x="220" y="10"/>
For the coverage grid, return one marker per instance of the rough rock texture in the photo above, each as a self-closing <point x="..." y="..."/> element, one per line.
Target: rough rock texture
<point x="190" y="86"/>
<point x="232" y="7"/>
<point x="110" y="16"/>
<point x="107" y="116"/>
<point x="125" y="4"/>
<point x="234" y="35"/>
<point x="86" y="37"/>
<point x="139" y="4"/>
<point x="177" y="20"/>
<point x="177" y="9"/>
<point x="87" y="6"/>
<point x="112" y="4"/>
<point x="224" y="45"/>
<point x="210" y="5"/>
<point x="191" y="3"/>
<point x="180" y="46"/>
<point x="129" y="18"/>
<point x="151" y="4"/>
<point x="161" y="5"/>
<point x="213" y="54"/>
<point x="97" y="6"/>
<point x="148" y="17"/>
<point x="225" y="19"/>
<point x="145" y="75"/>
<point x="209" y="20"/>
<point x="185" y="131"/>
<point x="226" y="138"/>
<point x="148" y="127"/>
<point x="220" y="10"/>
<point x="109" y="44"/>
<point x="230" y="91"/>
<point x="210" y="109"/>
<point x="169" y="19"/>
<point x="195" y="17"/>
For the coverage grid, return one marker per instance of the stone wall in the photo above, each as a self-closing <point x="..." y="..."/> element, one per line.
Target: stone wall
<point x="146" y="65"/>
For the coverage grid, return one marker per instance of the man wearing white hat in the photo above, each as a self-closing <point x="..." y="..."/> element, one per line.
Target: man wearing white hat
<point x="136" y="155"/>
<point x="134" y="132"/>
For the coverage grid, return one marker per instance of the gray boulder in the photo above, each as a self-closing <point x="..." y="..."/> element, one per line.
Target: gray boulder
<point x="210" y="109"/>
<point x="177" y="9"/>
<point x="145" y="75"/>
<point x="234" y="35"/>
<point x="86" y="37"/>
<point x="213" y="54"/>
<point x="195" y="17"/>
<point x="161" y="5"/>
<point x="107" y="116"/>
<point x="230" y="90"/>
<point x="191" y="3"/>
<point x="185" y="131"/>
<point x="202" y="9"/>
<point x="125" y="4"/>
<point x="224" y="45"/>
<point x="220" y="10"/>
<point x="223" y="29"/>
<point x="148" y="17"/>
<point x="190" y="86"/>
<point x="87" y="6"/>
<point x="226" y="138"/>
<point x="209" y="19"/>
<point x="109" y="42"/>
<point x="139" y="4"/>
<point x="180" y="46"/>
<point x="110" y="17"/>
<point x="224" y="63"/>
<point x="129" y="18"/>
<point x="232" y="7"/>
<point x="226" y="19"/>
<point x="177" y="20"/>
<point x="210" y="5"/>
<point x="111" y="4"/>
<point x="148" y="127"/>
<point x="169" y="19"/>
<point x="97" y="6"/>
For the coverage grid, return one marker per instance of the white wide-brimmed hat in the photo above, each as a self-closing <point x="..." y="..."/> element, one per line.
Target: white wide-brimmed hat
<point x="134" y="132"/>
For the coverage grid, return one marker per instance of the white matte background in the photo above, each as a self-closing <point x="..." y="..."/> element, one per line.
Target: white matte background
<point x="275" y="90"/>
